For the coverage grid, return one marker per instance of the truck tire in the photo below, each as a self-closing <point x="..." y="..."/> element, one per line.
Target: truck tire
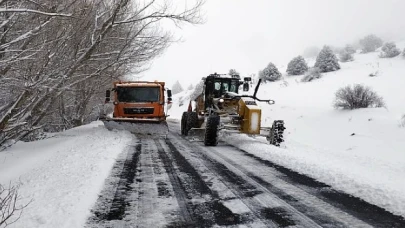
<point x="276" y="135"/>
<point x="184" y="123"/>
<point x="211" y="131"/>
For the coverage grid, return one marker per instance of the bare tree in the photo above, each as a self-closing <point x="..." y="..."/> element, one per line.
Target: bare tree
<point x="10" y="211"/>
<point x="57" y="56"/>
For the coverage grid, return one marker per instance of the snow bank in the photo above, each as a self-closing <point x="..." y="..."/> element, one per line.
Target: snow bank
<point x="62" y="175"/>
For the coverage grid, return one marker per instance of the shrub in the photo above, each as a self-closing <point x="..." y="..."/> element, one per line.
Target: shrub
<point x="297" y="66"/>
<point x="389" y="50"/>
<point x="349" y="48"/>
<point x="312" y="74"/>
<point x="374" y="74"/>
<point x="370" y="43"/>
<point x="326" y="60"/>
<point x="270" y="73"/>
<point x="358" y="96"/>
<point x="402" y="121"/>
<point x="345" y="56"/>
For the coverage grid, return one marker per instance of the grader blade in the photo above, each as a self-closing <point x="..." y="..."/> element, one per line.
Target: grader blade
<point x="196" y="134"/>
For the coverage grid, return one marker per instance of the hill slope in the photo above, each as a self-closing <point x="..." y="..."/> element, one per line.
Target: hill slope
<point x="360" y="152"/>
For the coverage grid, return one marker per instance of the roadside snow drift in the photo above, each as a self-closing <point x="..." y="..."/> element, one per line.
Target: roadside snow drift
<point x="62" y="175"/>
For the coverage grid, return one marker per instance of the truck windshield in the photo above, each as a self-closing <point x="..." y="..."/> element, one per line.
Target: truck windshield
<point x="138" y="94"/>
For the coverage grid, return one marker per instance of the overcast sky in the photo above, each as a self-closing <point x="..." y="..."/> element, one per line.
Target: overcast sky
<point x="248" y="34"/>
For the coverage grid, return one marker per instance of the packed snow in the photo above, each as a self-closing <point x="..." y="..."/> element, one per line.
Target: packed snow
<point x="360" y="152"/>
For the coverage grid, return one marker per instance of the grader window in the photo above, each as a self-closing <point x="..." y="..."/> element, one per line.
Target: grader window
<point x="234" y="86"/>
<point x="225" y="87"/>
<point x="138" y="94"/>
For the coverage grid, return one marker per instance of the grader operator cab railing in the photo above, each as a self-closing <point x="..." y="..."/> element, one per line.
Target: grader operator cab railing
<point x="220" y="106"/>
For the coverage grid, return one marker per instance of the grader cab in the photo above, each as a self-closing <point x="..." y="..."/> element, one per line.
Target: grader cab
<point x="220" y="106"/>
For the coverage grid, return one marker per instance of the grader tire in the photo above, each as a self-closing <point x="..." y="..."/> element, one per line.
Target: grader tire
<point x="211" y="131"/>
<point x="192" y="120"/>
<point x="184" y="123"/>
<point x="276" y="135"/>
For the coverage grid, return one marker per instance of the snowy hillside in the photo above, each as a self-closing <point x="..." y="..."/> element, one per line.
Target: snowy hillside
<point x="360" y="152"/>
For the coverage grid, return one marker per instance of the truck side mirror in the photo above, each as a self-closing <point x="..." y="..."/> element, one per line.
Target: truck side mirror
<point x="107" y="96"/>
<point x="169" y="96"/>
<point x="246" y="86"/>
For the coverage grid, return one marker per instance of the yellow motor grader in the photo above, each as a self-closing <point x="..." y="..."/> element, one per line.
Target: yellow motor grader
<point x="220" y="106"/>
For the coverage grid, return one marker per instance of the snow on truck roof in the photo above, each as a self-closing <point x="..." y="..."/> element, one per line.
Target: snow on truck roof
<point x="139" y="83"/>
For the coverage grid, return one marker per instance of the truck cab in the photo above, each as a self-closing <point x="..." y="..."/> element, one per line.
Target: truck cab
<point x="139" y="101"/>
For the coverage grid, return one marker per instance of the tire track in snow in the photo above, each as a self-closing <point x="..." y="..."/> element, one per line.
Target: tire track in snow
<point x="112" y="202"/>
<point x="244" y="191"/>
<point x="291" y="198"/>
<point x="127" y="178"/>
<point x="207" y="209"/>
<point x="187" y="216"/>
<point x="357" y="207"/>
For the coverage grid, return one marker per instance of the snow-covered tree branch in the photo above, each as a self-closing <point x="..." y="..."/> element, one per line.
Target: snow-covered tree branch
<point x="58" y="57"/>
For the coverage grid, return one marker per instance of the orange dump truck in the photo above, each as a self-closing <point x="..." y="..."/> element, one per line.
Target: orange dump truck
<point x="137" y="106"/>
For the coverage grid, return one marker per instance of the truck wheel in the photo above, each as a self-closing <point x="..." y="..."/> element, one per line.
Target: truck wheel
<point x="276" y="135"/>
<point x="211" y="131"/>
<point x="184" y="123"/>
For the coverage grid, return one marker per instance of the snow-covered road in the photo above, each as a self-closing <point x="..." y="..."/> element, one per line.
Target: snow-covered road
<point x="175" y="182"/>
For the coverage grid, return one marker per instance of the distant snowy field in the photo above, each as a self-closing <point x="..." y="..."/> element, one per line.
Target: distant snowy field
<point x="369" y="164"/>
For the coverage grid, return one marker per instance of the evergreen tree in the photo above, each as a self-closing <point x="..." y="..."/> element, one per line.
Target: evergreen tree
<point x="177" y="88"/>
<point x="370" y="43"/>
<point x="270" y="73"/>
<point x="326" y="60"/>
<point x="389" y="50"/>
<point x="233" y="72"/>
<point x="297" y="66"/>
